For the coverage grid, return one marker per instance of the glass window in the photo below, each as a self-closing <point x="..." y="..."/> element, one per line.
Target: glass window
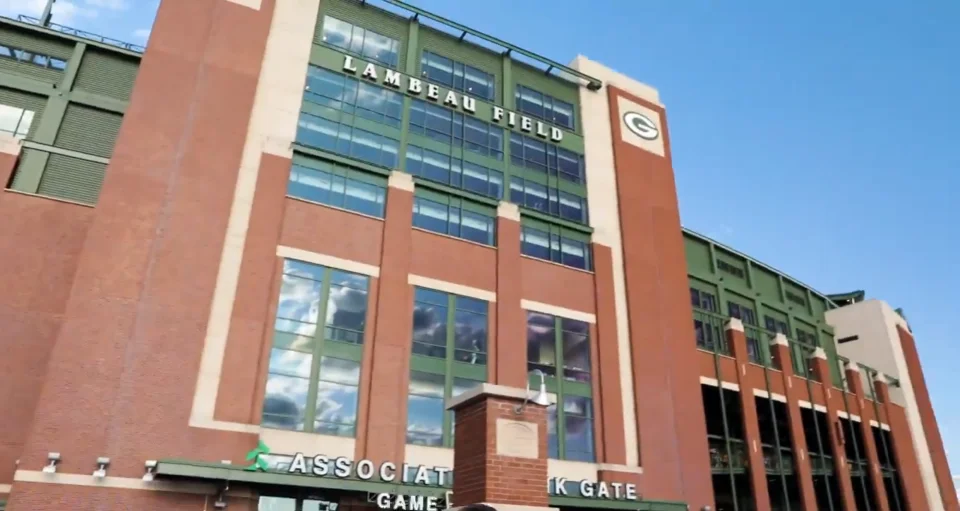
<point x="338" y="186"/>
<point x="543" y="106"/>
<point x="455" y="129"/>
<point x="362" y="145"/>
<point x="345" y="94"/>
<point x="458" y="76"/>
<point x="555" y="247"/>
<point x="313" y="372"/>
<point x="36" y="59"/>
<point x="703" y="300"/>
<point x="453" y="220"/>
<point x="540" y="156"/>
<point x="15" y="121"/>
<point x="560" y="348"/>
<point x="449" y="357"/>
<point x="548" y="200"/>
<point x="360" y="41"/>
<point x="453" y="172"/>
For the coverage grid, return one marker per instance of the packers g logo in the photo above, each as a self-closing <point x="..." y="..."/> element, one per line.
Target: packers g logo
<point x="641" y="125"/>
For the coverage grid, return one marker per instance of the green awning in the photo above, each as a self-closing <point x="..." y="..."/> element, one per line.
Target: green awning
<point x="219" y="472"/>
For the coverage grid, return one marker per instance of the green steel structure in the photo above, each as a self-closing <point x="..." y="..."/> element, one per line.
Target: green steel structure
<point x="65" y="96"/>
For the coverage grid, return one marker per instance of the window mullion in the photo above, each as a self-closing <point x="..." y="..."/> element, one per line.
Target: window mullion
<point x="561" y="419"/>
<point x="448" y="370"/>
<point x="318" y="338"/>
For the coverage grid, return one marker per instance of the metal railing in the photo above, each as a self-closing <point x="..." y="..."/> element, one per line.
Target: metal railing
<point x="83" y="34"/>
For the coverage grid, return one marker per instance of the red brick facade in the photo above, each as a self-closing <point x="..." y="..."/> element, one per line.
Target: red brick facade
<point x="106" y="310"/>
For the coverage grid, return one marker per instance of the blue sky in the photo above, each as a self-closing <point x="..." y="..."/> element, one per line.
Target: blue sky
<point x="819" y="137"/>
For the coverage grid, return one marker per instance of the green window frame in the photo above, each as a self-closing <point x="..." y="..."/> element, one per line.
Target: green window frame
<point x="32" y="57"/>
<point x="339" y="186"/>
<point x="551" y="343"/>
<point x="557" y="244"/>
<point x="314" y="369"/>
<point x="449" y="356"/>
<point x="360" y="41"/>
<point x="16" y="121"/>
<point x="544" y="106"/>
<point x="344" y="94"/>
<point x="361" y="141"/>
<point x="453" y="216"/>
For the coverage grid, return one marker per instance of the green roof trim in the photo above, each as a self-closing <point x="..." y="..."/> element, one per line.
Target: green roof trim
<point x="592" y="83"/>
<point x="217" y="472"/>
<point x="753" y="260"/>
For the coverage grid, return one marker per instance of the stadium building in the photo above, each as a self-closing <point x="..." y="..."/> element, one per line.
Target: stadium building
<point x="334" y="254"/>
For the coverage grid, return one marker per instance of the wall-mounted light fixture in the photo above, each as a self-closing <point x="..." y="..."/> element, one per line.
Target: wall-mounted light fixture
<point x="221" y="502"/>
<point x="151" y="467"/>
<point x="52" y="459"/>
<point x="541" y="398"/>
<point x="102" y="464"/>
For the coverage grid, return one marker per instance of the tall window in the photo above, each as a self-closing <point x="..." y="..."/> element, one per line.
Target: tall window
<point x="15" y="121"/>
<point x="314" y="368"/>
<point x="338" y="186"/>
<point x="449" y="357"/>
<point x="544" y="157"/>
<point x="707" y="325"/>
<point x="546" y="107"/>
<point x="749" y="318"/>
<point x="458" y="76"/>
<point x="555" y="244"/>
<point x="360" y="41"/>
<point x="347" y="140"/>
<point x="560" y="348"/>
<point x="455" y="129"/>
<point x="451" y="171"/>
<point x="341" y="93"/>
<point x="454" y="217"/>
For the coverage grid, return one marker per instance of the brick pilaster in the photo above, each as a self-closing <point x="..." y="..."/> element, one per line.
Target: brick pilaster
<point x="9" y="153"/>
<point x="873" y="459"/>
<point x="500" y="448"/>
<point x="385" y="435"/>
<point x="509" y="354"/>
<point x="780" y="349"/>
<point x="908" y="469"/>
<point x="748" y="405"/>
<point x="821" y="370"/>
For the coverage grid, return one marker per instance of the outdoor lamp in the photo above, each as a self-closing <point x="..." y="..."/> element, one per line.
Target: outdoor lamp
<point x="53" y="458"/>
<point x="101" y="470"/>
<point x="151" y="466"/>
<point x="541" y="398"/>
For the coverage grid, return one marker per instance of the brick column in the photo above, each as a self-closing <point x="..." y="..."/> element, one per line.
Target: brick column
<point x="500" y="451"/>
<point x="780" y="350"/>
<point x="818" y="362"/>
<point x="509" y="365"/>
<point x="386" y="409"/>
<point x="908" y="469"/>
<point x="751" y="428"/>
<point x="873" y="459"/>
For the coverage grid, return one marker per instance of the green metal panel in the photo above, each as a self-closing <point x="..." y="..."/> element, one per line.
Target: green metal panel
<point x="35" y="42"/>
<point x="462" y="51"/>
<point x="698" y="255"/>
<point x="367" y="17"/>
<point x="44" y="74"/>
<point x="89" y="130"/>
<point x="737" y="263"/>
<point x="107" y="74"/>
<point x="766" y="283"/>
<point x="72" y="179"/>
